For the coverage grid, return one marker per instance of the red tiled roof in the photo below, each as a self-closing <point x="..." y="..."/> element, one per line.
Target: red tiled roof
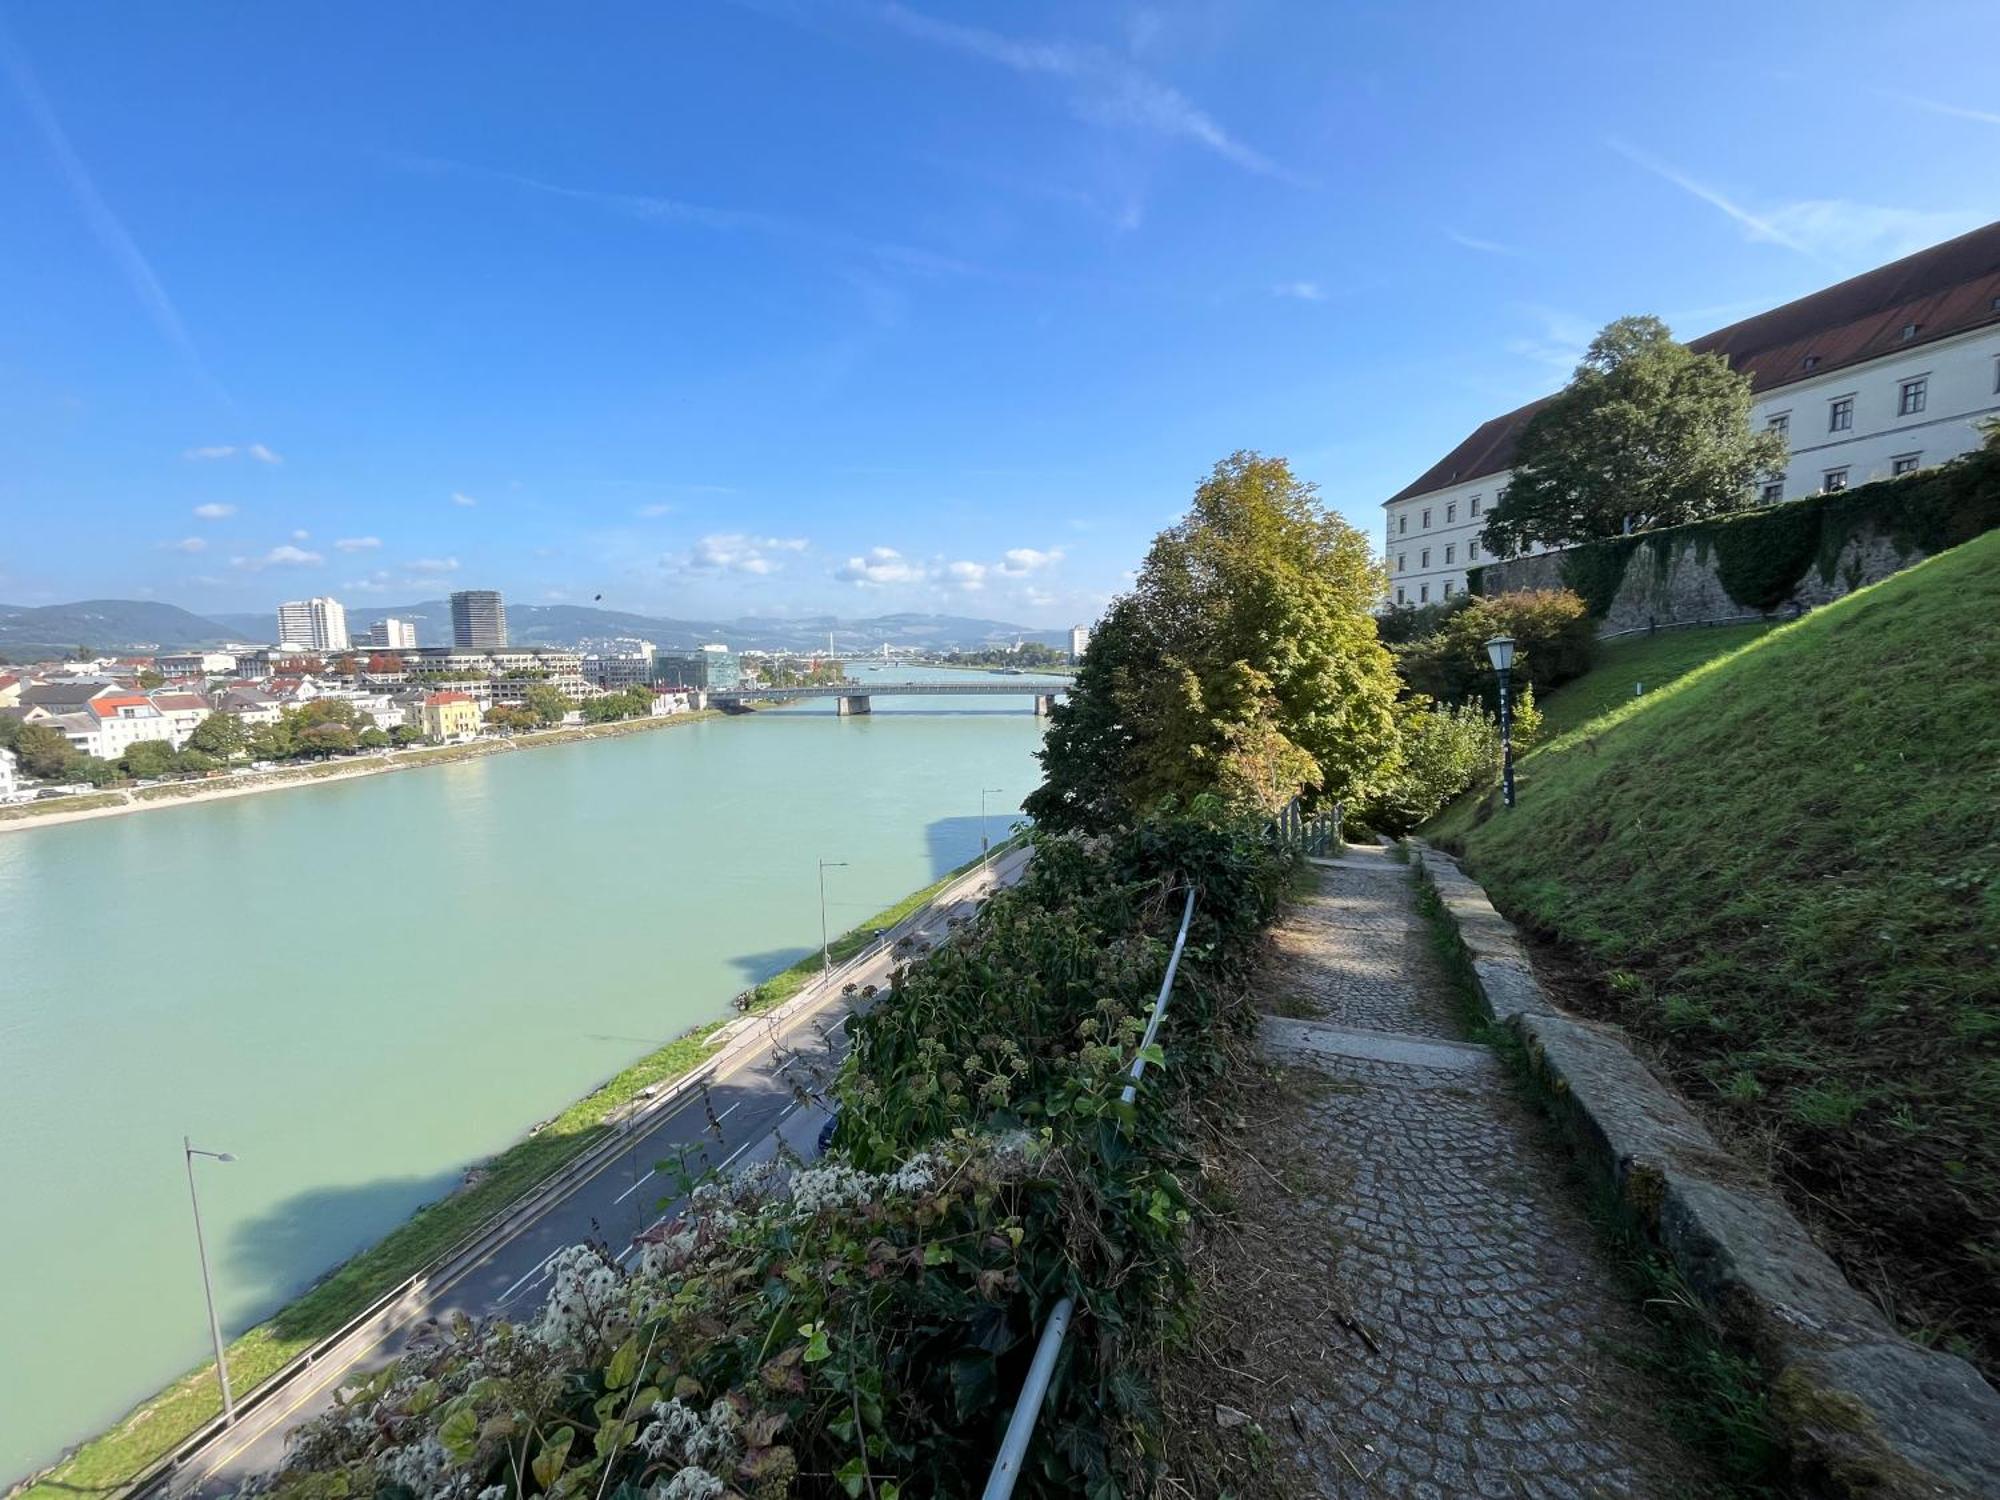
<point x="107" y="707"/>
<point x="1945" y="290"/>
<point x="447" y="696"/>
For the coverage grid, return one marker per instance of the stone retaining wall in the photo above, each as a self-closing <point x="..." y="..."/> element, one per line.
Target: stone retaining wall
<point x="1868" y="1413"/>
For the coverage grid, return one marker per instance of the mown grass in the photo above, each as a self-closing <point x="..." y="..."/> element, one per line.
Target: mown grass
<point x="1643" y="661"/>
<point x="22" y="811"/>
<point x="108" y="1463"/>
<point x="1785" y="869"/>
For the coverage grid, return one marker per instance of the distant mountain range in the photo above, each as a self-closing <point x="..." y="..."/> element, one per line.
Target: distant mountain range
<point x="138" y="625"/>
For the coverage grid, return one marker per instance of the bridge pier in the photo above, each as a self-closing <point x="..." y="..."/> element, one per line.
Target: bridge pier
<point x="852" y="703"/>
<point x="1044" y="702"/>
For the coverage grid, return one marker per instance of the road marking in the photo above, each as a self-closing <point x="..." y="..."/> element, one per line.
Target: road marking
<point x="783" y="1114"/>
<point x="539" y="1270"/>
<point x="652" y="1172"/>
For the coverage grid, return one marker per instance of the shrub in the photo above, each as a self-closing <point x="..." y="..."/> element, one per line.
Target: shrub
<point x="1554" y="641"/>
<point x="1409" y="622"/>
<point x="1445" y="751"/>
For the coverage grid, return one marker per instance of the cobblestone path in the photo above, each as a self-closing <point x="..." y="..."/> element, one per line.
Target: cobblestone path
<point x="1485" y="1322"/>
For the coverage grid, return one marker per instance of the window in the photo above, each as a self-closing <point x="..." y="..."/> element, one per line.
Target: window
<point x="1905" y="463"/>
<point x="1423" y="593"/>
<point x="1447" y="589"/>
<point x="1451" y="513"/>
<point x="1424" y="558"/>
<point x="1780" y="424"/>
<point x="1774" y="490"/>
<point x="1475" y="499"/>
<point x="1472" y="552"/>
<point x="1840" y="415"/>
<point x="1912" y="396"/>
<point x="1427" y="520"/>
<point x="1996" y="361"/>
<point x="1402" y="562"/>
<point x="1402" y="525"/>
<point x="1448" y="553"/>
<point x="1399" y="596"/>
<point x="1836" y="479"/>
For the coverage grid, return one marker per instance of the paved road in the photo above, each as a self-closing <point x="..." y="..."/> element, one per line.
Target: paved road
<point x="766" y="1093"/>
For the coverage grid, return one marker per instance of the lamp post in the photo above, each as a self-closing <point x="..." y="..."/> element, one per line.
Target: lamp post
<point x="1500" y="650"/>
<point x="190" y="1151"/>
<point x="825" y="953"/>
<point x="982" y="818"/>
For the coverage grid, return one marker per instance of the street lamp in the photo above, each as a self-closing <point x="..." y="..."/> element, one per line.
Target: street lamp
<point x="191" y="1151"/>
<point x="982" y="818"/>
<point x="825" y="958"/>
<point x="1500" y="650"/>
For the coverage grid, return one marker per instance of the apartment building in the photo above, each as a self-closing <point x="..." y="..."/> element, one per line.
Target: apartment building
<point x="319" y="624"/>
<point x="1883" y="374"/>
<point x="478" y="620"/>
<point x="391" y="635"/>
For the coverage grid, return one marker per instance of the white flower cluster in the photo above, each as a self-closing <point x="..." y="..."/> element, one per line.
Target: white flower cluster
<point x="837" y="1185"/>
<point x="424" y="1468"/>
<point x="701" y="1444"/>
<point x="583" y="1290"/>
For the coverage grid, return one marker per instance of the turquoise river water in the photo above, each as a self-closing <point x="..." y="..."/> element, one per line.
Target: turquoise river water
<point x="361" y="988"/>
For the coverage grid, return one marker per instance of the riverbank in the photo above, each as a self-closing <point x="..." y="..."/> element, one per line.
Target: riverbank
<point x="111" y="1462"/>
<point x="116" y="803"/>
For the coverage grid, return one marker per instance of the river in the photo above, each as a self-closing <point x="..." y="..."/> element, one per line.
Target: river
<point x="360" y="988"/>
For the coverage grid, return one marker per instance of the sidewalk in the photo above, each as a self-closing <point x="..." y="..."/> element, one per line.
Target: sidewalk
<point x="1484" y="1331"/>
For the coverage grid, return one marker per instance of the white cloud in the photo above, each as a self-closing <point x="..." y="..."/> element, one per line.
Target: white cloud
<point x="257" y="451"/>
<point x="967" y="577"/>
<point x="213" y="512"/>
<point x="1105" y="89"/>
<point x="1833" y="230"/>
<point x="736" y="552"/>
<point x="186" y="544"/>
<point x="1484" y="247"/>
<point x="302" y="535"/>
<point x="458" y="498"/>
<point x="1303" y="291"/>
<point x="282" y="556"/>
<point x="1021" y="561"/>
<point x="358" y="543"/>
<point x="376" y="582"/>
<point x="882" y="565"/>
<point x="652" y="512"/>
<point x="432" y="566"/>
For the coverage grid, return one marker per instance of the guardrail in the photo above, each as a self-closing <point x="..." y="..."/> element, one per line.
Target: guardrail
<point x="1035" y="1389"/>
<point x="1312" y="832"/>
<point x="547" y="1189"/>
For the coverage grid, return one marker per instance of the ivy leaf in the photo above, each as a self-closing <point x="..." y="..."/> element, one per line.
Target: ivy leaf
<point x="852" y="1475"/>
<point x="624" y="1366"/>
<point x="548" y="1464"/>
<point x="459" y="1434"/>
<point x="817" y="1347"/>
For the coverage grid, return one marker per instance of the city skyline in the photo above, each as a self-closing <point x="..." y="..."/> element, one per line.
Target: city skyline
<point x="739" y="344"/>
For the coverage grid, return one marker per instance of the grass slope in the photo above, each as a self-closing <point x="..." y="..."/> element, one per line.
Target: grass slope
<point x="1651" y="661"/>
<point x="1786" y="866"/>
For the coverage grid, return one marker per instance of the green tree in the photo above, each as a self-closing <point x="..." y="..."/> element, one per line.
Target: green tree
<point x="42" y="751"/>
<point x="148" y="758"/>
<point x="220" y="735"/>
<point x="546" y="703"/>
<point x="89" y="768"/>
<point x="325" y="738"/>
<point x="1244" y="662"/>
<point x="1555" y="640"/>
<point x="372" y="738"/>
<point x="193" y="762"/>
<point x="149" y="679"/>
<point x="271" y="741"/>
<point x="1647" y="433"/>
<point x="406" y="734"/>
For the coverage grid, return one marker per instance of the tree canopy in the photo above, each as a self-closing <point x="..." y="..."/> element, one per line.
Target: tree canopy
<point x="1244" y="662"/>
<point x="1647" y="433"/>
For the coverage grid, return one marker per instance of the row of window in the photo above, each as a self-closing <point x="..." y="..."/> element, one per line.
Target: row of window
<point x="1913" y="397"/>
<point x="1423" y="593"/>
<point x="1836" y="479"/>
<point x="1473" y="508"/>
<point x="1450" y="556"/>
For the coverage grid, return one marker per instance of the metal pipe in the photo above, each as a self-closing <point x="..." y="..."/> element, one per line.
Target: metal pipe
<point x="1159" y="1005"/>
<point x="1034" y="1390"/>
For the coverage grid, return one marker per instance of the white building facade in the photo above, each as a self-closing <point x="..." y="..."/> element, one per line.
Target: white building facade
<point x="319" y="624"/>
<point x="1890" y="372"/>
<point x="392" y="635"/>
<point x="1079" y="641"/>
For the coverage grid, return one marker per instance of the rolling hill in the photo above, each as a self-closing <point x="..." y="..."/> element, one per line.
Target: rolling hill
<point x="27" y="631"/>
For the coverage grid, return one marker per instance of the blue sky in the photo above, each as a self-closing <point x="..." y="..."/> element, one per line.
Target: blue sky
<point x="765" y="308"/>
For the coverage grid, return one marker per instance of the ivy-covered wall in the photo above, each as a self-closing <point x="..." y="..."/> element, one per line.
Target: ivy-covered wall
<point x="1769" y="560"/>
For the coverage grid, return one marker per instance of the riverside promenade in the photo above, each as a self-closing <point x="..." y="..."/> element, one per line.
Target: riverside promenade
<point x="1489" y="1347"/>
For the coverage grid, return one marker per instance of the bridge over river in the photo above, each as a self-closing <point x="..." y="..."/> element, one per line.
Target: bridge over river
<point x="853" y="697"/>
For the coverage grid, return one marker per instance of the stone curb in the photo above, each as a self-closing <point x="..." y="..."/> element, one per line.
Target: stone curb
<point x="1868" y="1413"/>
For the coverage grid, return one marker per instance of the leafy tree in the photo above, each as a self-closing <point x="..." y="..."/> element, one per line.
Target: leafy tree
<point x="149" y="679"/>
<point x="271" y="741"/>
<point x="372" y="738"/>
<point x="512" y="718"/>
<point x="192" y="762"/>
<point x="325" y="738"/>
<point x="546" y="703"/>
<point x="89" y="768"/>
<point x="406" y="734"/>
<point x="1244" y="662"/>
<point x="1555" y="640"/>
<point x="42" y="750"/>
<point x="1647" y="433"/>
<point x="628" y="703"/>
<point x="10" y="730"/>
<point x="220" y="735"/>
<point x="1444" y="751"/>
<point x="148" y="758"/>
<point x="336" y="711"/>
